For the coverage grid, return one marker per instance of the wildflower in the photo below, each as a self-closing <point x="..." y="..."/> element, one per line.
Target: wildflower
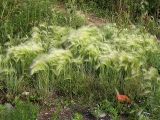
<point x="122" y="98"/>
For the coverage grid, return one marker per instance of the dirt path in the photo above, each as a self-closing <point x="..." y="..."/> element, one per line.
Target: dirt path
<point x="52" y="113"/>
<point x="91" y="19"/>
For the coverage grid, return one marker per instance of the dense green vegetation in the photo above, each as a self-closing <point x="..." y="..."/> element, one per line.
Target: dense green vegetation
<point x="23" y="111"/>
<point x="49" y="51"/>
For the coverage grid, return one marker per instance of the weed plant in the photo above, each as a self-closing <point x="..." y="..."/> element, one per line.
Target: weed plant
<point x="86" y="63"/>
<point x="78" y="62"/>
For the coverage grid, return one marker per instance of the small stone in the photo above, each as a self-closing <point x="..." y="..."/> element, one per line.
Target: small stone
<point x="102" y="115"/>
<point x="8" y="106"/>
<point x="46" y="113"/>
<point x="25" y="93"/>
